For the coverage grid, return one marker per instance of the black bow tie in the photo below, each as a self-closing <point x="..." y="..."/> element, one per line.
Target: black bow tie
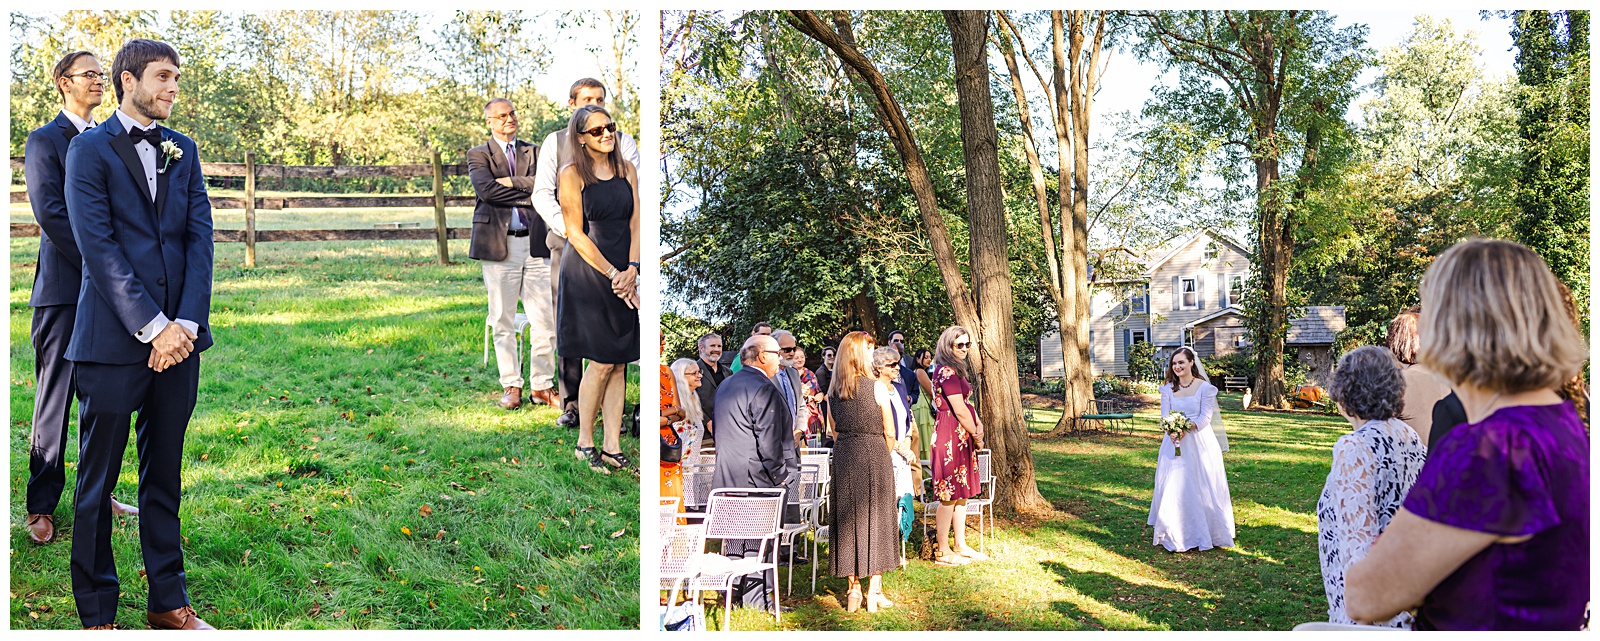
<point x="151" y="135"/>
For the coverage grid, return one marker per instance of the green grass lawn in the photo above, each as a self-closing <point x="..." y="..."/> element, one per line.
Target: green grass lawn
<point x="1091" y="565"/>
<point x="347" y="467"/>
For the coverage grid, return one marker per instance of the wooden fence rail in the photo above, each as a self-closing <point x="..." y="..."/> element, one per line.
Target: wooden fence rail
<point x="250" y="203"/>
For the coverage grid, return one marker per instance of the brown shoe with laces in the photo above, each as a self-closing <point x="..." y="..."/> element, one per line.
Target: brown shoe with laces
<point x="41" y="528"/>
<point x="182" y="618"/>
<point x="512" y="399"/>
<point x="546" y="396"/>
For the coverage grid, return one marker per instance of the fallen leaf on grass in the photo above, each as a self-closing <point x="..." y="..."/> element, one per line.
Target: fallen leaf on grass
<point x="618" y="533"/>
<point x="405" y="530"/>
<point x="585" y="547"/>
<point x="316" y="608"/>
<point x="246" y="560"/>
<point x="425" y="510"/>
<point x="439" y="536"/>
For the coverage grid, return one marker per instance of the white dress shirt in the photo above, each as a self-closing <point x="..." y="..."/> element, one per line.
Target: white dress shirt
<point x="147" y="157"/>
<point x="516" y="221"/>
<point x="544" y="181"/>
<point x="80" y="123"/>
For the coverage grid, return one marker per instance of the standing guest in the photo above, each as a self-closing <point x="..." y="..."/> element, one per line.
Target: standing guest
<point x="1494" y="535"/>
<point x="689" y="381"/>
<point x="886" y="369"/>
<point x="1190" y="506"/>
<point x="137" y="205"/>
<point x="957" y="437"/>
<point x="762" y="328"/>
<point x="711" y="373"/>
<point x="861" y="500"/>
<point x="599" y="279"/>
<point x="57" y="280"/>
<point x="922" y="410"/>
<point x="789" y="382"/>
<point x="825" y="372"/>
<point x="812" y="394"/>
<point x="515" y="267"/>
<point x="755" y="448"/>
<point x="671" y="413"/>
<point x="908" y="368"/>
<point x="1423" y="388"/>
<point x="1373" y="467"/>
<point x="555" y="154"/>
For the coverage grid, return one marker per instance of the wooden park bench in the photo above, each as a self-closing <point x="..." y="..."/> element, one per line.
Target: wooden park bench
<point x="1108" y="415"/>
<point x="1231" y="383"/>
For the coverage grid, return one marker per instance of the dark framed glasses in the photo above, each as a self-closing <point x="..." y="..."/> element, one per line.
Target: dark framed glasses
<point x="610" y="126"/>
<point x="962" y="345"/>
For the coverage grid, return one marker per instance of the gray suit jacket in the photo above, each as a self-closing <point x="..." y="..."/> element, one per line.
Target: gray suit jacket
<point x="755" y="448"/>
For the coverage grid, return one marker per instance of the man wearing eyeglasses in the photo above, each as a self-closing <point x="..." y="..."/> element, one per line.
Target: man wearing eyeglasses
<point x="755" y="448"/>
<point x="555" y="153"/>
<point x="788" y="382"/>
<point x="57" y="279"/>
<point x="508" y="239"/>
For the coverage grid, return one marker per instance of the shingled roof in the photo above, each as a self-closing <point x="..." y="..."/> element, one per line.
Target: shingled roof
<point x="1317" y="327"/>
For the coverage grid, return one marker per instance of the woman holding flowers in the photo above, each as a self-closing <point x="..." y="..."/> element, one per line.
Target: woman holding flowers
<point x="1191" y="507"/>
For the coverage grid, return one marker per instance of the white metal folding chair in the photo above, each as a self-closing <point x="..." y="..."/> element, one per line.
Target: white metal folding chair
<point x="805" y="500"/>
<point x="984" y="501"/>
<point x="747" y="514"/>
<point x="669" y="511"/>
<point x="681" y="547"/>
<point x="696" y="485"/>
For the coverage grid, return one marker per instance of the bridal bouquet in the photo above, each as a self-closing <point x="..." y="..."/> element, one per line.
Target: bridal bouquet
<point x="1176" y="425"/>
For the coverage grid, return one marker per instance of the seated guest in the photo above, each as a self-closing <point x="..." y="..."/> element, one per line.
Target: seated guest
<point x="1372" y="469"/>
<point x="1494" y="535"/>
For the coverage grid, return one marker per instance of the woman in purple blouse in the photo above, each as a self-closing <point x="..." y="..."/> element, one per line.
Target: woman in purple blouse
<point x="1494" y="535"/>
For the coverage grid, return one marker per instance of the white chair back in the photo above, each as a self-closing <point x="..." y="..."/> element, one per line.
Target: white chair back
<point x="744" y="513"/>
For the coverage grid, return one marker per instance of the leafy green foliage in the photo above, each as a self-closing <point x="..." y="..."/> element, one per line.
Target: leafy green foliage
<point x="1142" y="363"/>
<point x="1235" y="364"/>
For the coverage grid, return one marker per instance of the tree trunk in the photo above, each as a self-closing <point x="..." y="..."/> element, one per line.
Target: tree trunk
<point x="1079" y="386"/>
<point x="1001" y="410"/>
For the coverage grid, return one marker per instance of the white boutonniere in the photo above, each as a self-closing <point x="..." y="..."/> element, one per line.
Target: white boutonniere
<point x="170" y="152"/>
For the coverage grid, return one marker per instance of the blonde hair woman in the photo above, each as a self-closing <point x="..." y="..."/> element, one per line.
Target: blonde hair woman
<point x="1494" y="535"/>
<point x="957" y="437"/>
<point x="862" y="514"/>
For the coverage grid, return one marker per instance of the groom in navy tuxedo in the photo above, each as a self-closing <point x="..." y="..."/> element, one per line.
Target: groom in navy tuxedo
<point x="139" y="211"/>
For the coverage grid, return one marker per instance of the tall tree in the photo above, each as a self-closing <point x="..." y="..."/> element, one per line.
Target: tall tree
<point x="1553" y="121"/>
<point x="996" y="379"/>
<point x="1077" y="43"/>
<point x="1274" y="85"/>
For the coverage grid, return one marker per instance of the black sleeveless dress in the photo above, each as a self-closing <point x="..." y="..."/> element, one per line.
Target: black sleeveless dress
<point x="864" y="515"/>
<point x="592" y="322"/>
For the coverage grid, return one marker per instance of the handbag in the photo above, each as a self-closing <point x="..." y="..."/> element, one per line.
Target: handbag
<point x="684" y="617"/>
<point x="671" y="445"/>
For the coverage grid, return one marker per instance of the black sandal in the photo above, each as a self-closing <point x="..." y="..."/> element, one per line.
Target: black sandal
<point x="590" y="455"/>
<point x="618" y="460"/>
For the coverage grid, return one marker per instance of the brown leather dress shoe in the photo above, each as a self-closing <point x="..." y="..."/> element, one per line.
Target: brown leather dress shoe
<point x="546" y="396"/>
<point x="118" y="508"/>
<point x="512" y="399"/>
<point x="182" y="618"/>
<point x="41" y="528"/>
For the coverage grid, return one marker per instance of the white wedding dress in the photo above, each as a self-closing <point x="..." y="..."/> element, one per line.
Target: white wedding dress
<point x="1191" y="507"/>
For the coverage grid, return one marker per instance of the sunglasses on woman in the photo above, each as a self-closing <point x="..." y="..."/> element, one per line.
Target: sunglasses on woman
<point x="610" y="126"/>
<point x="962" y="345"/>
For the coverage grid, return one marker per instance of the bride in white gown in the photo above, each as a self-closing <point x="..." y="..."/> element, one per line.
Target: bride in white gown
<point x="1191" y="507"/>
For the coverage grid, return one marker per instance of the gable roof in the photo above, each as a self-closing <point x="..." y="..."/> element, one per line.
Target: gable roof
<point x="1231" y="309"/>
<point x="1317" y="326"/>
<point x="1186" y="242"/>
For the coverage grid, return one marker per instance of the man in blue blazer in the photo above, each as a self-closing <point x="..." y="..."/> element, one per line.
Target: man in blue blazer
<point x="56" y="280"/>
<point x="139" y="211"/>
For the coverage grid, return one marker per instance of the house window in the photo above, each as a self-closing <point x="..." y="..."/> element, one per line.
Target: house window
<point x="1235" y="290"/>
<point x="1139" y="336"/>
<point x="1240" y="341"/>
<point x="1211" y="250"/>
<point x="1188" y="336"/>
<point x="1191" y="295"/>
<point x="1136" y="302"/>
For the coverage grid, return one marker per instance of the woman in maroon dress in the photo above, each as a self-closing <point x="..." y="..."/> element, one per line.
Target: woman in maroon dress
<point x="957" y="437"/>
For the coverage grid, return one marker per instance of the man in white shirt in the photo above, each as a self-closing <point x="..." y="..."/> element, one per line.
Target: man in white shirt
<point x="508" y="238"/>
<point x="57" y="278"/>
<point x="554" y="154"/>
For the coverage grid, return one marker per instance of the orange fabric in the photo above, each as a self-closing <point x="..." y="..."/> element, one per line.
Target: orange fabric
<point x="669" y="390"/>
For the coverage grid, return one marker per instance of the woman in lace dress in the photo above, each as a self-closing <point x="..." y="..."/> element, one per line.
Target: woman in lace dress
<point x="1190" y="507"/>
<point x="1373" y="467"/>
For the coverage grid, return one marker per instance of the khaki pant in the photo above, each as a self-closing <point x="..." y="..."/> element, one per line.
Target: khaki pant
<point x="527" y="278"/>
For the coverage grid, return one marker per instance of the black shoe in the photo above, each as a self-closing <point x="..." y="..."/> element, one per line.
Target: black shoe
<point x="569" y="418"/>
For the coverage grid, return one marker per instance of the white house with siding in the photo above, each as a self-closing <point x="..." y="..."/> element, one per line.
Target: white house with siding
<point x="1190" y="293"/>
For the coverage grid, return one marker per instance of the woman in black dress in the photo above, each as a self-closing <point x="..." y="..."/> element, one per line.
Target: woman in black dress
<point x="598" y="298"/>
<point x="863" y="515"/>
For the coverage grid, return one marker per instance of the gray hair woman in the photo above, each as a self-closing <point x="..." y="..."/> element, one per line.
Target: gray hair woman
<point x="897" y="428"/>
<point x="1373" y="467"/>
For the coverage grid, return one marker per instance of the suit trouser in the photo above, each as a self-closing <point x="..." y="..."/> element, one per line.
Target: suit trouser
<point x="525" y="277"/>
<point x="571" y="369"/>
<point x="52" y="405"/>
<point x="107" y="396"/>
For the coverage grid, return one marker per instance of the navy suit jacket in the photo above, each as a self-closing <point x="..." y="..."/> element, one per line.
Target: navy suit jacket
<point x="140" y="258"/>
<point x="60" y="270"/>
<point x="755" y="441"/>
